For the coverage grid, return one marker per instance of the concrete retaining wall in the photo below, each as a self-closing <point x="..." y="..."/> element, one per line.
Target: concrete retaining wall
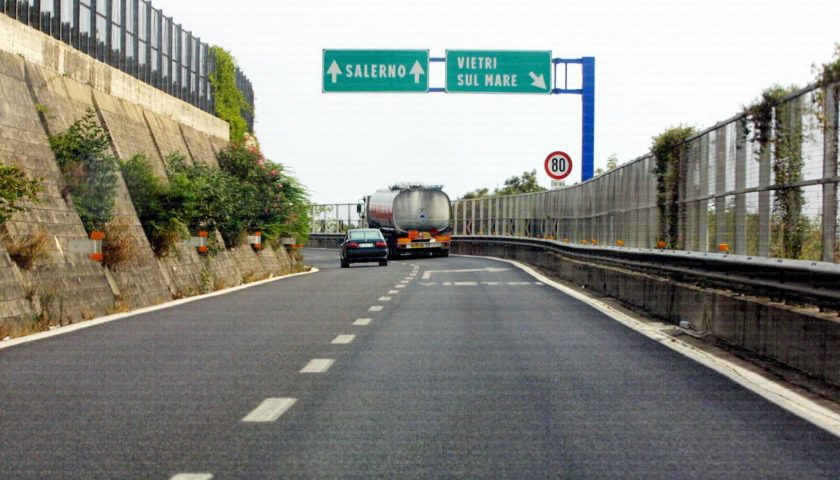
<point x="46" y="86"/>
<point x="808" y="341"/>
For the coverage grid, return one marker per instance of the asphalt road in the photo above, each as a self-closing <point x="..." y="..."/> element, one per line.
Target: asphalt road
<point x="463" y="372"/>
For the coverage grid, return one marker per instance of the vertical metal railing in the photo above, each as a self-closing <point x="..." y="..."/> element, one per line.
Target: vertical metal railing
<point x="135" y="37"/>
<point x="730" y="196"/>
<point x="334" y="218"/>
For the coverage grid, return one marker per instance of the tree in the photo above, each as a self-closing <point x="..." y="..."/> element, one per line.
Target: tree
<point x="612" y="162"/>
<point x="15" y="187"/>
<point x="477" y="193"/>
<point x="527" y="183"/>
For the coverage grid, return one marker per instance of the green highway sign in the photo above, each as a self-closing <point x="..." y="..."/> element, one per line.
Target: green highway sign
<point x="498" y="71"/>
<point x="376" y="71"/>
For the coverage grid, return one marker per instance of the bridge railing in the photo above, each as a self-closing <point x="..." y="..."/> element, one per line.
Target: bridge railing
<point x="134" y="37"/>
<point x="736" y="193"/>
<point x="334" y="218"/>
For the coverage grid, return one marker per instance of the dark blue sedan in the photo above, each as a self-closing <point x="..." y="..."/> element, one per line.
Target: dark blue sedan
<point x="364" y="245"/>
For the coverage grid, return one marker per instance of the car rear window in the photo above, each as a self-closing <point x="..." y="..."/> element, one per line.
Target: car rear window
<point x="373" y="235"/>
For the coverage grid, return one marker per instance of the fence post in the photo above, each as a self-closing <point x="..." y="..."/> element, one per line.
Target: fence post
<point x="740" y="184"/>
<point x="830" y="152"/>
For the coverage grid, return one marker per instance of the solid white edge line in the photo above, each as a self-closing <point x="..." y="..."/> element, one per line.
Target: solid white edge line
<point x="776" y="393"/>
<point x="119" y="316"/>
<point x="269" y="410"/>
<point x="318" y="365"/>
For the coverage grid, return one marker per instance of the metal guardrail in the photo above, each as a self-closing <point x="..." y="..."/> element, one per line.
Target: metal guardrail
<point x="794" y="281"/>
<point x="733" y="192"/>
<point x="134" y="37"/>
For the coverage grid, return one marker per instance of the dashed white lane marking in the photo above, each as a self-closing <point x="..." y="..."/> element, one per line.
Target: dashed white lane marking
<point x="361" y="322"/>
<point x="384" y="299"/>
<point x="447" y="284"/>
<point x="343" y="339"/>
<point x="491" y="283"/>
<point x="466" y="284"/>
<point x="375" y="308"/>
<point x="318" y="365"/>
<point x="270" y="410"/>
<point x="404" y="282"/>
<point x="399" y="286"/>
<point x="192" y="476"/>
<point x="393" y="292"/>
<point x="518" y="283"/>
<point x="774" y="392"/>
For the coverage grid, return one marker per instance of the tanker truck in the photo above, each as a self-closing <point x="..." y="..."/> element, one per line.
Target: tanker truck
<point x="414" y="219"/>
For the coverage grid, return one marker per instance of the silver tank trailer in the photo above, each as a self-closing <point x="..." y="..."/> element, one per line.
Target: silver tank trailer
<point x="415" y="208"/>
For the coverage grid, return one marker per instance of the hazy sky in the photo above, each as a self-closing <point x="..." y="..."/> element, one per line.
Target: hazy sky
<point x="658" y="64"/>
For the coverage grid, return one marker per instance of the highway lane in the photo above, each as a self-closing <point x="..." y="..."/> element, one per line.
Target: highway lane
<point x="463" y="373"/>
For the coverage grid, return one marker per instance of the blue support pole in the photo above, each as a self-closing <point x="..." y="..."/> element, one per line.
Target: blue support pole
<point x="588" y="143"/>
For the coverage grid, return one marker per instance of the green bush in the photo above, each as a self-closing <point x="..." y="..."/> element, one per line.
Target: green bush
<point x="271" y="202"/>
<point x="89" y="171"/>
<point x="14" y="188"/>
<point x="249" y="193"/>
<point x="229" y="100"/>
<point x="150" y="196"/>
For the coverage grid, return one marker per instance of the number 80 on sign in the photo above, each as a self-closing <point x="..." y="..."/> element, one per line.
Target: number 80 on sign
<point x="558" y="165"/>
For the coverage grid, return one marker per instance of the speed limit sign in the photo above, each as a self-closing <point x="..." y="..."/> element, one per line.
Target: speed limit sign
<point x="558" y="165"/>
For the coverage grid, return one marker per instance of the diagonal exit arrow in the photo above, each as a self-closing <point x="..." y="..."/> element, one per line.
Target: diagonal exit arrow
<point x="417" y="70"/>
<point x="539" y="80"/>
<point x="334" y="70"/>
<point x="428" y="273"/>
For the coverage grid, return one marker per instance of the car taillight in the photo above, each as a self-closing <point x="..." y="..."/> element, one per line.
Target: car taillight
<point x="381" y="244"/>
<point x="352" y="245"/>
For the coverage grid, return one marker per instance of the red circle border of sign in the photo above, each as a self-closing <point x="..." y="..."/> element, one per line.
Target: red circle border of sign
<point x="564" y="155"/>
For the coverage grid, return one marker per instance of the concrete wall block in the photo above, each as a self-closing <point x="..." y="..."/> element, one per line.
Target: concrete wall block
<point x="167" y="135"/>
<point x="831" y="353"/>
<point x="690" y="305"/>
<point x="129" y="132"/>
<point x="202" y="148"/>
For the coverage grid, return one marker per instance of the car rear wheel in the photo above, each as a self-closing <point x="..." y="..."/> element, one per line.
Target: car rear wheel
<point x="345" y="264"/>
<point x="383" y="263"/>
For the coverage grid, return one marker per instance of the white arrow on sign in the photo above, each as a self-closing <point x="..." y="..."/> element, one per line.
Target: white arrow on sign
<point x="539" y="81"/>
<point x="428" y="273"/>
<point x="334" y="70"/>
<point x="417" y="70"/>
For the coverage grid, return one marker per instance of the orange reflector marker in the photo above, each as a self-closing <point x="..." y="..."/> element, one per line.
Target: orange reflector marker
<point x="96" y="238"/>
<point x="723" y="247"/>
<point x="619" y="243"/>
<point x="661" y="244"/>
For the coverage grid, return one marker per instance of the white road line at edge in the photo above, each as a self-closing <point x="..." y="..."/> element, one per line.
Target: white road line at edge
<point x="270" y="410"/>
<point x="776" y="393"/>
<point x="119" y="316"/>
<point x="318" y="365"/>
<point x="192" y="476"/>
